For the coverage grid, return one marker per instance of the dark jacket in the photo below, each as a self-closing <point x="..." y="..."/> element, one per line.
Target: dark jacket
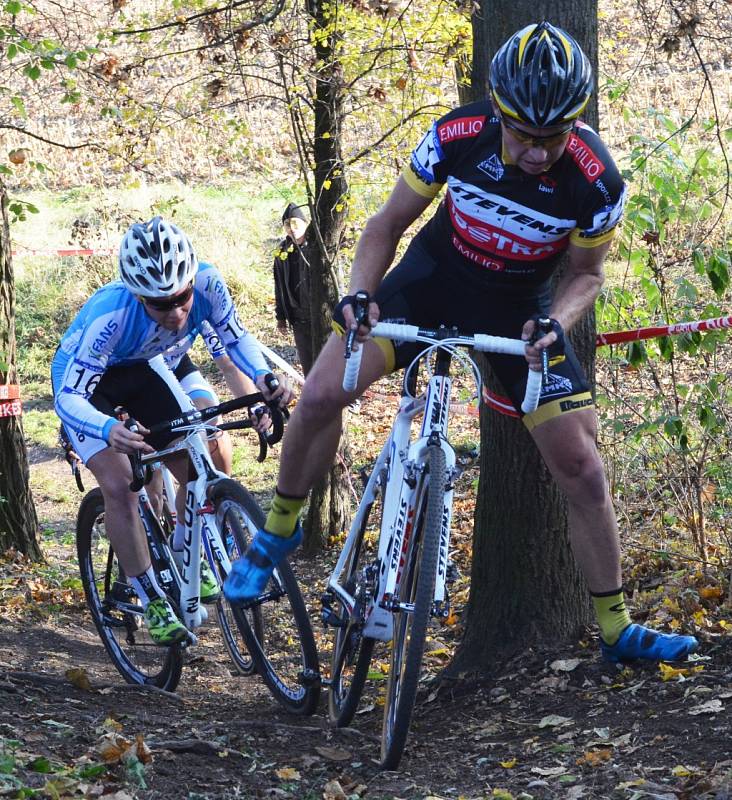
<point x="291" y="280"/>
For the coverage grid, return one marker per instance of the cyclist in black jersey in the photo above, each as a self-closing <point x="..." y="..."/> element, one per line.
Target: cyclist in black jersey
<point x="526" y="182"/>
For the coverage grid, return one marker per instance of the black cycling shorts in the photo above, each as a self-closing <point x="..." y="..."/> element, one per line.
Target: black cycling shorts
<point x="419" y="292"/>
<point x="143" y="393"/>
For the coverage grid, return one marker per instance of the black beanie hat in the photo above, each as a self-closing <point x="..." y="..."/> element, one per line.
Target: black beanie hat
<point x="293" y="212"/>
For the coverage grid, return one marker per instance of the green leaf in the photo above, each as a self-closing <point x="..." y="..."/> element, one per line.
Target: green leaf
<point x="636" y="353"/>
<point x="12" y="50"/>
<point x="91" y="771"/>
<point x="19" y="106"/>
<point x="32" y="71"/>
<point x="13" y="7"/>
<point x="42" y="765"/>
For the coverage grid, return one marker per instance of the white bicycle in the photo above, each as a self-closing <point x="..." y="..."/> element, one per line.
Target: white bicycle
<point x="272" y="636"/>
<point x="388" y="591"/>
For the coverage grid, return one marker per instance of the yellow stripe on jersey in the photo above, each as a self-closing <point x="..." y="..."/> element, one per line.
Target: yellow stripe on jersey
<point x="429" y="190"/>
<point x="565" y="405"/>
<point x="591" y="241"/>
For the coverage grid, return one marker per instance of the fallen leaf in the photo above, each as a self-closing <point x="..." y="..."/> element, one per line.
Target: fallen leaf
<point x="681" y="771"/>
<point x="593" y="758"/>
<point x="288" y="774"/>
<point x="510" y="764"/>
<point x="554" y="721"/>
<point x="334" y="753"/>
<point x="79" y="677"/>
<point x="565" y="664"/>
<point x="549" y="772"/>
<point x="334" y="791"/>
<point x="668" y="672"/>
<point x="710" y="707"/>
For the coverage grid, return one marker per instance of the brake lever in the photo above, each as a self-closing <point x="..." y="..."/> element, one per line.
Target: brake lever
<point x="140" y="472"/>
<point x="360" y="312"/>
<point x="262" y="447"/>
<point x="276" y="413"/>
<point x="541" y="328"/>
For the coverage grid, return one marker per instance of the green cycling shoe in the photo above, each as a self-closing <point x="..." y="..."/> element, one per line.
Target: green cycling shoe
<point x="210" y="591"/>
<point x="164" y="627"/>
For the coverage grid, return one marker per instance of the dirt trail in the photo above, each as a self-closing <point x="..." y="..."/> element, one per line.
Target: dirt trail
<point x="550" y="725"/>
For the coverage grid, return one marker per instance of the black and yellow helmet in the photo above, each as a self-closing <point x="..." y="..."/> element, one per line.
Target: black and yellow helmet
<point x="541" y="77"/>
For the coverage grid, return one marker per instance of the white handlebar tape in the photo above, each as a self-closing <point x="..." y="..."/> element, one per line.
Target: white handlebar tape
<point x="353" y="365"/>
<point x="499" y="344"/>
<point x="394" y="330"/>
<point x="533" y="392"/>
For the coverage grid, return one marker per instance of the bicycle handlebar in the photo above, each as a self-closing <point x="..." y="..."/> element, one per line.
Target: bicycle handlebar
<point x="480" y="341"/>
<point x="141" y="472"/>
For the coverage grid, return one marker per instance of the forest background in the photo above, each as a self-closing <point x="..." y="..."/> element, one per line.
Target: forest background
<point x="207" y="119"/>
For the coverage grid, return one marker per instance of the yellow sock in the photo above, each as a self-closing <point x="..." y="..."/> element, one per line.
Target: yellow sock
<point x="612" y="615"/>
<point x="283" y="515"/>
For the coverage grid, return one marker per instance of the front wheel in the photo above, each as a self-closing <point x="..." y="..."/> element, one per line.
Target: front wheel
<point x="415" y="593"/>
<point x="283" y="647"/>
<point x="352" y="651"/>
<point x="116" y="609"/>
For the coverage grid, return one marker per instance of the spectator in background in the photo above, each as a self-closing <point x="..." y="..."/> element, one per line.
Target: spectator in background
<point x="292" y="284"/>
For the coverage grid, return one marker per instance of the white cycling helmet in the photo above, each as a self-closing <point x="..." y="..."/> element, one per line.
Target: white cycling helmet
<point x="156" y="259"/>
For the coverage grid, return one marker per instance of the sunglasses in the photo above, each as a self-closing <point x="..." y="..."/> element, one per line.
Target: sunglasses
<point x="536" y="141"/>
<point x="169" y="303"/>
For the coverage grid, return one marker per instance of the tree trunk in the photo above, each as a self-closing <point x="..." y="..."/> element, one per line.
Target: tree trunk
<point x="329" y="509"/>
<point x="18" y="520"/>
<point x="525" y="585"/>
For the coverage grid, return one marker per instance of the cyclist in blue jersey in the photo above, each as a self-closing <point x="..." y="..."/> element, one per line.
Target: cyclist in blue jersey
<point x="114" y="353"/>
<point x="526" y="181"/>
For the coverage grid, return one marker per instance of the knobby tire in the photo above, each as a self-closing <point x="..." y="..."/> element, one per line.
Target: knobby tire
<point x="344" y="694"/>
<point x="236" y="535"/>
<point x="417" y="586"/>
<point x="283" y="650"/>
<point x="123" y="633"/>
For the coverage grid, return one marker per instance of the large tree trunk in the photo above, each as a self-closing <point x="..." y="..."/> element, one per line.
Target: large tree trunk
<point x="329" y="502"/>
<point x="18" y="520"/>
<point x="525" y="585"/>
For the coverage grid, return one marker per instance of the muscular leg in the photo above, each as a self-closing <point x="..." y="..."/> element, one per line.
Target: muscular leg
<point x="122" y="523"/>
<point x="312" y="435"/>
<point x="567" y="444"/>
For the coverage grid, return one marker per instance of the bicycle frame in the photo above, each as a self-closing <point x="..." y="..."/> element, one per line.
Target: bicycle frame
<point x="397" y="467"/>
<point x="197" y="529"/>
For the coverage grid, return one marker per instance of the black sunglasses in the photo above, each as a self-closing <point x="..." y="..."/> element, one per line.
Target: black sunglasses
<point x="169" y="303"/>
<point x="536" y="141"/>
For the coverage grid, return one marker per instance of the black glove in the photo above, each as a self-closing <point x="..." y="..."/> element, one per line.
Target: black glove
<point x="544" y="325"/>
<point x="360" y="304"/>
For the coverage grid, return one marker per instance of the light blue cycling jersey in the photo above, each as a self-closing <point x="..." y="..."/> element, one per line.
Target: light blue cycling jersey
<point x="113" y="329"/>
<point x="211" y="339"/>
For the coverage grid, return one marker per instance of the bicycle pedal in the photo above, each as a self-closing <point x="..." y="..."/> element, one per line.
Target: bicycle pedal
<point x="309" y="677"/>
<point x="330" y="618"/>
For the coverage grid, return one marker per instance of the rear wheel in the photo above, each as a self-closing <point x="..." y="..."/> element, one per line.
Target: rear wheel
<point x="416" y="592"/>
<point x="283" y="648"/>
<point x="116" y="609"/>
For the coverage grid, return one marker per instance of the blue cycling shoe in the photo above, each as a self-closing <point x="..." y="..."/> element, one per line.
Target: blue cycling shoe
<point x="637" y="642"/>
<point x="249" y="575"/>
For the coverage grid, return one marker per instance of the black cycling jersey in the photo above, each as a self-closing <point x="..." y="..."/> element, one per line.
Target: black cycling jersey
<point x="484" y="260"/>
<point x="498" y="223"/>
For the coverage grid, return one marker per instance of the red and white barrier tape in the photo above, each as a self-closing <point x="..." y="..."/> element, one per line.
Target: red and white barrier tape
<point x="68" y="251"/>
